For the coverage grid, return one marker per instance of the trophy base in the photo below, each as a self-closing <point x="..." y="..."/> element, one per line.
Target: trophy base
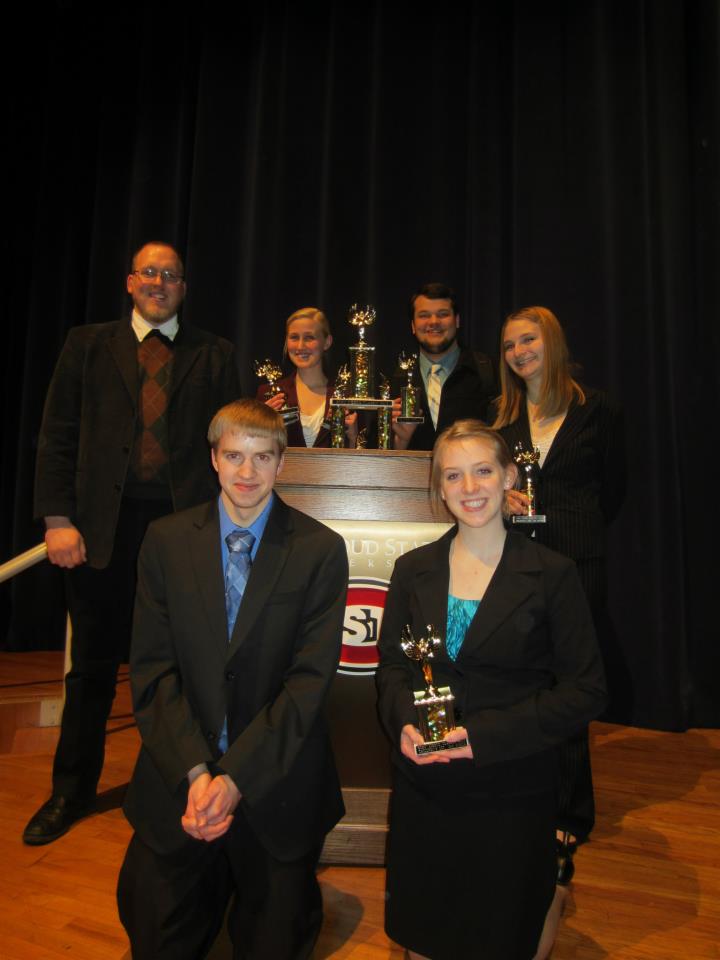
<point x="410" y="420"/>
<point x="290" y="415"/>
<point x="438" y="746"/>
<point x="538" y="518"/>
<point x="361" y="403"/>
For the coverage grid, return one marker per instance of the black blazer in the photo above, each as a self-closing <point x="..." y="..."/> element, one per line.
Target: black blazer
<point x="528" y="674"/>
<point x="270" y="680"/>
<point x="295" y="435"/>
<point x="581" y="485"/>
<point x="88" y="426"/>
<point x="467" y="392"/>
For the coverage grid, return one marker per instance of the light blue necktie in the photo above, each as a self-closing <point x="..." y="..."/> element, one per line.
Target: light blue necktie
<point x="240" y="543"/>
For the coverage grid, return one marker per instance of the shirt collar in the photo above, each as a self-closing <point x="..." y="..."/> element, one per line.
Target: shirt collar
<point x="447" y="363"/>
<point x="142" y="328"/>
<point x="256" y="528"/>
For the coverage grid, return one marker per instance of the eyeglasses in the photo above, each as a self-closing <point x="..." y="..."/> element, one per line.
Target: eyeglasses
<point x="152" y="273"/>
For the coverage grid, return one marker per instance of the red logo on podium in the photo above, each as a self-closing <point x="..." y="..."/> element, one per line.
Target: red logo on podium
<point x="363" y="617"/>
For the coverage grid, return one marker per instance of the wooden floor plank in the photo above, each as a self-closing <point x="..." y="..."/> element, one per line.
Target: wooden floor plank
<point x="647" y="887"/>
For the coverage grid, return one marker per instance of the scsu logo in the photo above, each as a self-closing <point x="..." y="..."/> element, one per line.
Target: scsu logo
<point x="363" y="617"/>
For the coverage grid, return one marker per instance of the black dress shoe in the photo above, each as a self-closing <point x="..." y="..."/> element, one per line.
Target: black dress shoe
<point x="54" y="818"/>
<point x="566" y="866"/>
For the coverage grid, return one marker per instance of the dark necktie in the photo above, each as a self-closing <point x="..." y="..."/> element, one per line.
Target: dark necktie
<point x="240" y="543"/>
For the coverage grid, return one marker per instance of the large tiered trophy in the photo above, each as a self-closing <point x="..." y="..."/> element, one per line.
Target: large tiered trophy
<point x="361" y="392"/>
<point x="436" y="714"/>
<point x="267" y="370"/>
<point x="527" y="461"/>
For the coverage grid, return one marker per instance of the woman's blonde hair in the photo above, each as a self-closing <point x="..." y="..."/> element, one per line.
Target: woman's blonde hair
<point x="557" y="390"/>
<point x="463" y="430"/>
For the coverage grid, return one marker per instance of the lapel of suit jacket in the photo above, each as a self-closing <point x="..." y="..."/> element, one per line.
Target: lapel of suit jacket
<point x="576" y="416"/>
<point x="511" y="584"/>
<point x="185" y="355"/>
<point x="264" y="573"/>
<point x="207" y="565"/>
<point x="431" y="585"/>
<point x="123" y="347"/>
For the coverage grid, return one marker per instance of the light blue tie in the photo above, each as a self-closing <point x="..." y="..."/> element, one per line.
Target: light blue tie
<point x="240" y="543"/>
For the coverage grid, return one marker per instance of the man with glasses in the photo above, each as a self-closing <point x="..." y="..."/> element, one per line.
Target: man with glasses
<point x="122" y="443"/>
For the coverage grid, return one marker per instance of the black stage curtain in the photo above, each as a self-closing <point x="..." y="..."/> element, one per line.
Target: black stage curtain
<point x="560" y="153"/>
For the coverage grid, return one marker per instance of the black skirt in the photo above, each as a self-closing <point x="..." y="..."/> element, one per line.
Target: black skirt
<point x="469" y="876"/>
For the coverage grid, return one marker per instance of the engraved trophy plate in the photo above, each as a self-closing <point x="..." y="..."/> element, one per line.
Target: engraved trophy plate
<point x="409" y="393"/>
<point x="267" y="370"/>
<point x="435" y="705"/>
<point x="527" y="461"/>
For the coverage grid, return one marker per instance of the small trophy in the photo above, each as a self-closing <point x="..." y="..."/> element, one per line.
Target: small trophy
<point x="409" y="393"/>
<point x="384" y="416"/>
<point x="434" y="704"/>
<point x="337" y="411"/>
<point x="527" y="461"/>
<point x="271" y="372"/>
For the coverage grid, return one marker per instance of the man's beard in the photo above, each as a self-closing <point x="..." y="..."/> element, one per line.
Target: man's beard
<point x="437" y="348"/>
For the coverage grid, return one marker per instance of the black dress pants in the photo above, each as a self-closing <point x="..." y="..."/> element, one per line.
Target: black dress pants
<point x="100" y="603"/>
<point x="172" y="906"/>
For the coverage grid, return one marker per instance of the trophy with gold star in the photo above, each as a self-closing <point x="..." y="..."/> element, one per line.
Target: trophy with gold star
<point x="435" y="705"/>
<point x="271" y="372"/>
<point x="527" y="462"/>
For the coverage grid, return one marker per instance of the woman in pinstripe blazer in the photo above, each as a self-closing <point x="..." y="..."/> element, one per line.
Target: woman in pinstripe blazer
<point x="580" y="487"/>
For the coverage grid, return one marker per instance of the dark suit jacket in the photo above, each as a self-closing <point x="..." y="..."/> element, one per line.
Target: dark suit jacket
<point x="270" y="680"/>
<point x="581" y="485"/>
<point x="88" y="425"/>
<point x="467" y="392"/>
<point x="528" y="674"/>
<point x="295" y="436"/>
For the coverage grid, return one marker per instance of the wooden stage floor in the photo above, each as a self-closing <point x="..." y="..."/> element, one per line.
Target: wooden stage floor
<point x="646" y="888"/>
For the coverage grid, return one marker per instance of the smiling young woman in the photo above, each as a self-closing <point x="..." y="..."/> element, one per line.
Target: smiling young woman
<point x="580" y="487"/>
<point x="307" y="341"/>
<point x="475" y="824"/>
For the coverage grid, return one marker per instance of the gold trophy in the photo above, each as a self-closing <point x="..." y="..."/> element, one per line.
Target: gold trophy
<point x="409" y="393"/>
<point x="384" y="416"/>
<point x="337" y="410"/>
<point x="527" y="461"/>
<point x="362" y="365"/>
<point x="436" y="713"/>
<point x="267" y="370"/>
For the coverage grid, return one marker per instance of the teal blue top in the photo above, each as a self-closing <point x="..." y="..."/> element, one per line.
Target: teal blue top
<point x="460" y="613"/>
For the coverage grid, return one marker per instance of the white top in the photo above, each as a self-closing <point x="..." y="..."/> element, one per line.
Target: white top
<point x="543" y="432"/>
<point x="311" y="423"/>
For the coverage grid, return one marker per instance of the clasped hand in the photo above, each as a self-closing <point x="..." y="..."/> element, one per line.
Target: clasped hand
<point x="210" y="806"/>
<point x="410" y="737"/>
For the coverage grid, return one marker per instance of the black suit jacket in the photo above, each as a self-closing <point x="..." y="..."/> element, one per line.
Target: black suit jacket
<point x="581" y="485"/>
<point x="89" y="420"/>
<point x="528" y="674"/>
<point x="467" y="392"/>
<point x="295" y="435"/>
<point x="270" y="680"/>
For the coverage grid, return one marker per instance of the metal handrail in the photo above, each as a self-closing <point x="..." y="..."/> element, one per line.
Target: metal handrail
<point x="22" y="561"/>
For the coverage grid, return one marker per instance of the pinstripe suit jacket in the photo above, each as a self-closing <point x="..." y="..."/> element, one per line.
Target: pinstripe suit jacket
<point x="581" y="485"/>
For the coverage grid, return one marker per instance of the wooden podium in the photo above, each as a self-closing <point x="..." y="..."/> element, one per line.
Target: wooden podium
<point x="362" y="485"/>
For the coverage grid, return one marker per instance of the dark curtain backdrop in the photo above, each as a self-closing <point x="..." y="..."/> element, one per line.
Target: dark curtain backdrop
<point x="560" y="153"/>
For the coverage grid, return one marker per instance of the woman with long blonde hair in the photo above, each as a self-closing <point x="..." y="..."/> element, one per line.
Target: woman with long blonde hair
<point x="580" y="486"/>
